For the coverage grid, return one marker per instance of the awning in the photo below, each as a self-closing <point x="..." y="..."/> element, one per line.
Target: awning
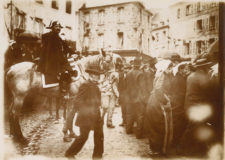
<point x="28" y="36"/>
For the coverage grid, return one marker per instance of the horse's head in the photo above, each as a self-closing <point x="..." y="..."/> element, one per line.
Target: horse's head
<point x="110" y="60"/>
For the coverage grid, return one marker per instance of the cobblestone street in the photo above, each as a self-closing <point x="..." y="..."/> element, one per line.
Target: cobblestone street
<point x="46" y="139"/>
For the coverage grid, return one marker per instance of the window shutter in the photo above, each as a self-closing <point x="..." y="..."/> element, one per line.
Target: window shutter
<point x="195" y="26"/>
<point x="207" y="24"/>
<point x="217" y="22"/>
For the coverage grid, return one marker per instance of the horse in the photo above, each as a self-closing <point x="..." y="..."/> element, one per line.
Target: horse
<point x="23" y="79"/>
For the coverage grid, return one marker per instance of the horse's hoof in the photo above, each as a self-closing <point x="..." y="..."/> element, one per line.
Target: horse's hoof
<point x="67" y="139"/>
<point x="50" y="117"/>
<point x="73" y="135"/>
<point x="21" y="140"/>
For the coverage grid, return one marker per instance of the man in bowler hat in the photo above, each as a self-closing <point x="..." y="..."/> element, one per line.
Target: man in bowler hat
<point x="89" y="118"/>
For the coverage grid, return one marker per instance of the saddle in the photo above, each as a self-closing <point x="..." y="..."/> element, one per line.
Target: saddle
<point x="70" y="70"/>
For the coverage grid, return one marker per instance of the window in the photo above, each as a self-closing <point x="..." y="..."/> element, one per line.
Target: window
<point x="86" y="42"/>
<point x="55" y="4"/>
<point x="120" y="11"/>
<point x="178" y="13"/>
<point x="212" y="23"/>
<point x="199" y="47"/>
<point x="187" y="48"/>
<point x="101" y="17"/>
<point x="198" y="7"/>
<point x="68" y="6"/>
<point x="39" y="1"/>
<point x="140" y="40"/>
<point x="86" y="17"/>
<point x="100" y="40"/>
<point x="188" y="10"/>
<point x="38" y="25"/>
<point x="211" y="40"/>
<point x="157" y="37"/>
<point x="120" y="40"/>
<point x="164" y="34"/>
<point x="199" y="25"/>
<point x="162" y="23"/>
<point x="20" y="20"/>
<point x="213" y="4"/>
<point x="140" y="15"/>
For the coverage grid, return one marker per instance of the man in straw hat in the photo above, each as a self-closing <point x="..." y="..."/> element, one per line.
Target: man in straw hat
<point x="89" y="118"/>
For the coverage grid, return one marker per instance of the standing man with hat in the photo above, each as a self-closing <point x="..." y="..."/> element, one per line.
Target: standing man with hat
<point x="89" y="117"/>
<point x="135" y="94"/>
<point x="202" y="93"/>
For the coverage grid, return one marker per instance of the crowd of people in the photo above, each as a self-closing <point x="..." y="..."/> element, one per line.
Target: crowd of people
<point x="175" y="103"/>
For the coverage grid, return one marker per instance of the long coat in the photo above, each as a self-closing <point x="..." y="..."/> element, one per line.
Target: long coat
<point x="88" y="102"/>
<point x="177" y="95"/>
<point x="134" y="86"/>
<point x="53" y="55"/>
<point x="154" y="118"/>
<point x="148" y="79"/>
<point x="122" y="87"/>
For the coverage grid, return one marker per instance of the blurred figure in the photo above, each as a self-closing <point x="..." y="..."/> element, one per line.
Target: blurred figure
<point x="158" y="122"/>
<point x="203" y="111"/>
<point x="135" y="95"/>
<point x="122" y="94"/>
<point x="110" y="93"/>
<point x="177" y="98"/>
<point x="13" y="54"/>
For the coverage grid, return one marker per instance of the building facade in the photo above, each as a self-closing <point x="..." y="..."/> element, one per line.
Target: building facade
<point x="160" y="33"/>
<point x="123" y="28"/>
<point x="192" y="27"/>
<point x="32" y="16"/>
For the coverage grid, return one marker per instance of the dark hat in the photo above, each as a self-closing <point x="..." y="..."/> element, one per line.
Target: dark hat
<point x="119" y="62"/>
<point x="212" y="53"/>
<point x="94" y="69"/>
<point x="202" y="63"/>
<point x="137" y="62"/>
<point x="53" y="23"/>
<point x="176" y="57"/>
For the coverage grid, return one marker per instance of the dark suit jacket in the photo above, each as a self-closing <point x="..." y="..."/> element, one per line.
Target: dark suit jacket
<point x="198" y="90"/>
<point x="148" y="79"/>
<point x="88" y="102"/>
<point x="53" y="55"/>
<point x="134" y="86"/>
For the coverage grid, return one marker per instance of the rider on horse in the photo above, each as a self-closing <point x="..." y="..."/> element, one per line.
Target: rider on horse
<point x="53" y="60"/>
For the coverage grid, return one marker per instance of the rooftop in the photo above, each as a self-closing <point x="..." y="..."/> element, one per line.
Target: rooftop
<point x="98" y="4"/>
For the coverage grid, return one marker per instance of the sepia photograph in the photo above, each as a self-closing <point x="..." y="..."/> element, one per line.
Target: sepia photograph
<point x="112" y="79"/>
